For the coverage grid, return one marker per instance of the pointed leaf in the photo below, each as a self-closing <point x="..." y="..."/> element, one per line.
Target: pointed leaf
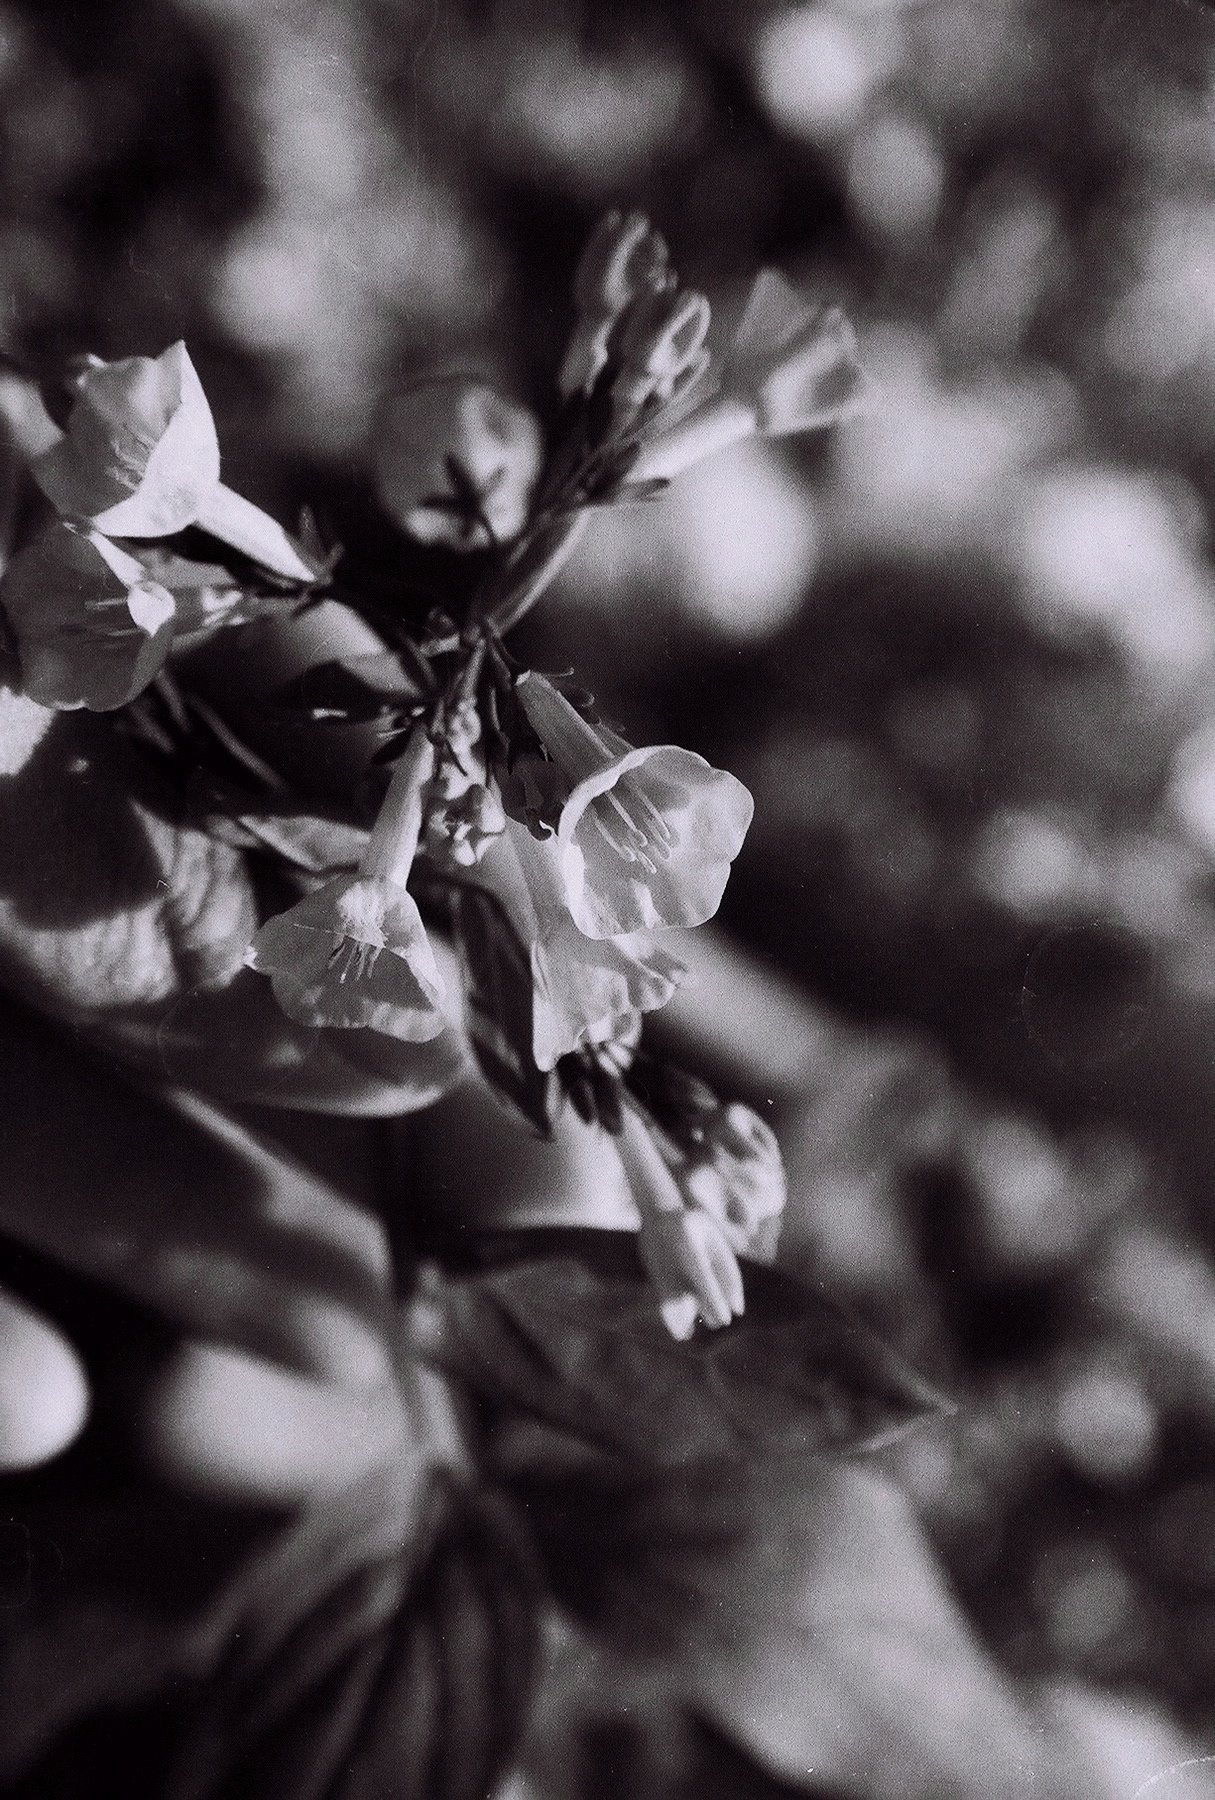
<point x="498" y="977"/>
<point x="588" y="1354"/>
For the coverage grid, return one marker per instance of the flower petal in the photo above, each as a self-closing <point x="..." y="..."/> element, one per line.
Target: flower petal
<point x="589" y="992"/>
<point x="140" y="454"/>
<point x="91" y="629"/>
<point x="647" y="842"/>
<point x="354" y="954"/>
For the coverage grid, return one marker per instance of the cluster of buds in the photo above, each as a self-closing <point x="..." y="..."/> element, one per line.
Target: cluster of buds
<point x="96" y="601"/>
<point x="707" y="1194"/>
<point x="634" y="318"/>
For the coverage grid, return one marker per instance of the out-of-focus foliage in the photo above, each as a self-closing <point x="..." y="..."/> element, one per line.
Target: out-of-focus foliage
<point x="963" y="652"/>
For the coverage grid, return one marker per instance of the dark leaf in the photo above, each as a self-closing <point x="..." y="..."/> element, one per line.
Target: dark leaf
<point x="498" y="978"/>
<point x="590" y="1356"/>
<point x="358" y="689"/>
<point x="300" y="837"/>
<point x="379" y="1651"/>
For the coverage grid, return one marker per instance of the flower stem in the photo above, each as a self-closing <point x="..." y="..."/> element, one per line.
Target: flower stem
<point x="517" y="602"/>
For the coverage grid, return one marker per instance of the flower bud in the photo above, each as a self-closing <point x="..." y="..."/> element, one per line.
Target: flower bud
<point x="661" y="339"/>
<point x="90" y="628"/>
<point x="686" y="1253"/>
<point x="462" y="827"/>
<point x="624" y="258"/>
<point x="454" y="463"/>
<point x="792" y="367"/>
<point x="738" y="1177"/>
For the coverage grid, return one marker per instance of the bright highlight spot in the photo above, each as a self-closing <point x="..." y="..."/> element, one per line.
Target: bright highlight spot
<point x="812" y="71"/>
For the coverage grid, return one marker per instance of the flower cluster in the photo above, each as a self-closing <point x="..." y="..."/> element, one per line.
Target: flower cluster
<point x="563" y="861"/>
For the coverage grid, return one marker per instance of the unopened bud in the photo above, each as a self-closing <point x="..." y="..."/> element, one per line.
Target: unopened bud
<point x="624" y="258"/>
<point x="661" y="340"/>
<point x="739" y="1176"/>
<point x="455" y="463"/>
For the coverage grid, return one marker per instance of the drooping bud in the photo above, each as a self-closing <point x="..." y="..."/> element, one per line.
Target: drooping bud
<point x="454" y="463"/>
<point x="687" y="1255"/>
<point x="737" y="1176"/>
<point x="90" y="628"/>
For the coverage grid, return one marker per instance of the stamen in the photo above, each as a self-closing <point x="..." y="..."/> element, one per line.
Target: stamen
<point x="659" y="826"/>
<point x="622" y="850"/>
<point x="634" y="830"/>
<point x="352" y="959"/>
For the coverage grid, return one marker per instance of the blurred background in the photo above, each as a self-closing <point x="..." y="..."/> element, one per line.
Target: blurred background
<point x="962" y="650"/>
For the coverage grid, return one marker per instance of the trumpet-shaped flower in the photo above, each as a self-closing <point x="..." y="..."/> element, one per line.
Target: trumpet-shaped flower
<point x="792" y="367"/>
<point x="645" y="837"/>
<point x="90" y="628"/>
<point x="454" y="463"/>
<point x="584" y="992"/>
<point x="687" y="1255"/>
<point x="140" y="459"/>
<point x="355" y="952"/>
<point x="737" y="1178"/>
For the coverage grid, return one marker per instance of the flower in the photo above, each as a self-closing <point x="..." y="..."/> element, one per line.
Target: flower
<point x="737" y="1177"/>
<point x="355" y="952"/>
<point x="646" y="837"/>
<point x="140" y="459"/>
<point x="455" y="463"/>
<point x="90" y="628"/>
<point x="687" y="1255"/>
<point x="792" y="367"/>
<point x="585" y="992"/>
<point x="624" y="258"/>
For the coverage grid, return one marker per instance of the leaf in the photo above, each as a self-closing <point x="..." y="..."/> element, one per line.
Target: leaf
<point x="378" y="1650"/>
<point x="498" y="977"/>
<point x="305" y="839"/>
<point x="358" y="689"/>
<point x="587" y="1353"/>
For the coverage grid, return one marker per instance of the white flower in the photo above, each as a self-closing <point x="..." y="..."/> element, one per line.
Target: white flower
<point x="646" y="837"/>
<point x="792" y="367"/>
<point x="687" y="1254"/>
<point x="140" y="459"/>
<point x="355" y="952"/>
<point x="585" y="992"/>
<point x="454" y="463"/>
<point x="89" y="627"/>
